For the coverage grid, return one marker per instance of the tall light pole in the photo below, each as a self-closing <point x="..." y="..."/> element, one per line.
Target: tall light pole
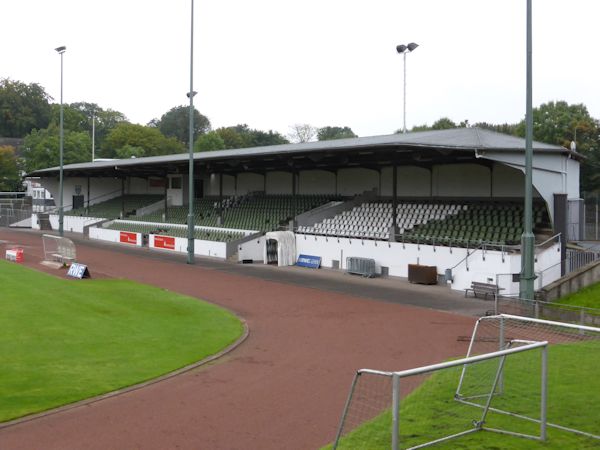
<point x="528" y="238"/>
<point x="404" y="49"/>
<point x="191" y="93"/>
<point x="61" y="50"/>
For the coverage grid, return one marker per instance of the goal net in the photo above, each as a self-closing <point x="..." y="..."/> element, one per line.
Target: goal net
<point x="417" y="408"/>
<point x="502" y="390"/>
<point x="574" y="365"/>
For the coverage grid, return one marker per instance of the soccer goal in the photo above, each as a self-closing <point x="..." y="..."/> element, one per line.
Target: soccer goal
<point x="517" y="386"/>
<point x="417" y="408"/>
<point x="59" y="249"/>
<point x="574" y="365"/>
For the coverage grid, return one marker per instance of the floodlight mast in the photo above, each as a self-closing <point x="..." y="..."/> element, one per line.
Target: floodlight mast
<point x="404" y="49"/>
<point x="190" y="94"/>
<point x="61" y="50"/>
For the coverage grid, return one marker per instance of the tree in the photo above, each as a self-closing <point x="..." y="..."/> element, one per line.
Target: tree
<point x="176" y="123"/>
<point x="330" y="133"/>
<point x="23" y="107"/>
<point x="241" y="136"/>
<point x="129" y="151"/>
<point x="41" y="148"/>
<point x="302" y="132"/>
<point x="9" y="172"/>
<point x="151" y="140"/>
<point x="208" y="142"/>
<point x="560" y="123"/>
<point x="104" y="120"/>
<point x="443" y="124"/>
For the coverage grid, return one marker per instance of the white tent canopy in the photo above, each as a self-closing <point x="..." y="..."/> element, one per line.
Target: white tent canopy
<point x="286" y="247"/>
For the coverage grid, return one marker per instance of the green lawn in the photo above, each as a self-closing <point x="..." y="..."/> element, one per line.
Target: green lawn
<point x="63" y="340"/>
<point x="430" y="411"/>
<point x="588" y="297"/>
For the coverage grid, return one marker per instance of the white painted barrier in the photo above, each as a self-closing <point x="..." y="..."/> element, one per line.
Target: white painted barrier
<point x="74" y="224"/>
<point x="485" y="266"/>
<point x="178" y="244"/>
<point x="122" y="237"/>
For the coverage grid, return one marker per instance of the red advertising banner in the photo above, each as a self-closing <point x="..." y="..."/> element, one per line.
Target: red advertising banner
<point x="128" y="238"/>
<point x="167" y="242"/>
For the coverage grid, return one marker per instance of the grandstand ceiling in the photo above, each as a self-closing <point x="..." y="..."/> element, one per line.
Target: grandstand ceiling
<point x="423" y="149"/>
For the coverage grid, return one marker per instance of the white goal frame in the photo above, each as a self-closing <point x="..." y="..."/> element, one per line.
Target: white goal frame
<point x="502" y="318"/>
<point x="478" y="425"/>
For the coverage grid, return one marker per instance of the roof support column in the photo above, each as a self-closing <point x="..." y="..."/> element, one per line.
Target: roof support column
<point x="87" y="210"/>
<point x="221" y="219"/>
<point x="394" y="203"/>
<point x="166" y="206"/>
<point x="294" y="206"/>
<point x="122" y="197"/>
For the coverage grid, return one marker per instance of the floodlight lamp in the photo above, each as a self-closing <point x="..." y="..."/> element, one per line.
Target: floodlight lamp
<point x="412" y="46"/>
<point x="401" y="48"/>
<point x="193" y="94"/>
<point x="61" y="49"/>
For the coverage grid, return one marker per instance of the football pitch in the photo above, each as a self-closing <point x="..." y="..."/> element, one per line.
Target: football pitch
<point x="67" y="340"/>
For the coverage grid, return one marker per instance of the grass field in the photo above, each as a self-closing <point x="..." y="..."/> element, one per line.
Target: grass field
<point x="430" y="411"/>
<point x="588" y="297"/>
<point x="66" y="340"/>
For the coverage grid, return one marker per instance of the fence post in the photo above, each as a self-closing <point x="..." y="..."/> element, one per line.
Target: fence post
<point x="395" y="410"/>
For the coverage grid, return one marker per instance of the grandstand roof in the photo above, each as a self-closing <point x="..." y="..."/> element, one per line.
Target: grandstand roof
<point x="416" y="148"/>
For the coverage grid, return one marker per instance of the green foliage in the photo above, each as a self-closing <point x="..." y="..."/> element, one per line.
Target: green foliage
<point x="150" y="139"/>
<point x="23" y="107"/>
<point x="208" y="142"/>
<point x="41" y="148"/>
<point x="443" y="124"/>
<point x="241" y="136"/>
<point x="129" y="151"/>
<point x="330" y="133"/>
<point x="64" y="341"/>
<point x="176" y="124"/>
<point x="588" y="297"/>
<point x="9" y="172"/>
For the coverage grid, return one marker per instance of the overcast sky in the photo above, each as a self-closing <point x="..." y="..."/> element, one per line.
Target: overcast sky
<point x="273" y="63"/>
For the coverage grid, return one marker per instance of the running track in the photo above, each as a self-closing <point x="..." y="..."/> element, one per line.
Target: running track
<point x="284" y="387"/>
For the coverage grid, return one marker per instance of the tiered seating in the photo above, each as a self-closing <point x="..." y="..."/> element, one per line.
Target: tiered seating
<point x="251" y="212"/>
<point x="458" y="224"/>
<point x="204" y="234"/>
<point x="111" y="209"/>
<point x="374" y="220"/>
<point x="493" y="223"/>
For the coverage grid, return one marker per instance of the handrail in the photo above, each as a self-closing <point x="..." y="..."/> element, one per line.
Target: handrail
<point x="550" y="239"/>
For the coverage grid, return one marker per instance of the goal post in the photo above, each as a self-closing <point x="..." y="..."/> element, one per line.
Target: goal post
<point x="574" y="354"/>
<point x="405" y="416"/>
<point x="524" y="392"/>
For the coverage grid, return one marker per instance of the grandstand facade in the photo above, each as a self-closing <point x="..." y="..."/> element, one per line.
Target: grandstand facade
<point x="451" y="199"/>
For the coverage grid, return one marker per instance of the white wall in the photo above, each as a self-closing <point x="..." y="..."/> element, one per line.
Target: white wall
<point x="279" y="183"/>
<point x="253" y="249"/>
<point x="356" y="181"/>
<point x="201" y="248"/>
<point x="105" y="234"/>
<point x="573" y="179"/>
<point x="101" y="189"/>
<point x="249" y="182"/>
<point x="74" y="224"/>
<point x="316" y="182"/>
<point x="461" y="180"/>
<point x="212" y="187"/>
<point x="482" y="266"/>
<point x="507" y="181"/>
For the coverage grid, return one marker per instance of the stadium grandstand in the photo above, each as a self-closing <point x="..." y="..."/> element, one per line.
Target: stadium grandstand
<point x="450" y="199"/>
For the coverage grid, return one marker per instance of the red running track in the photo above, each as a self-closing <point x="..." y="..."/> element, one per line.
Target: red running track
<point x="284" y="387"/>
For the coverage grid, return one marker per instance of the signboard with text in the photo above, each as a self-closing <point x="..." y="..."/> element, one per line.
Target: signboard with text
<point x="78" y="271"/>
<point x="166" y="242"/>
<point x="310" y="261"/>
<point x="128" y="238"/>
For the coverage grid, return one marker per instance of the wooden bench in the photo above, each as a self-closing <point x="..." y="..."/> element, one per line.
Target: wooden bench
<point x="483" y="289"/>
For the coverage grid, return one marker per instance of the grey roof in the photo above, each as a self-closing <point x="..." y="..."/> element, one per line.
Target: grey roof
<point x="454" y="139"/>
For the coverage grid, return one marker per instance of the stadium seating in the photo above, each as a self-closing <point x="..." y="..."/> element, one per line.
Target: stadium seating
<point x="249" y="212"/>
<point x="176" y="231"/>
<point x="111" y="209"/>
<point x="436" y="223"/>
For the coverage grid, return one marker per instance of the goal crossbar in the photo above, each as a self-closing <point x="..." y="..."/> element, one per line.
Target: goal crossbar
<point x="478" y="425"/>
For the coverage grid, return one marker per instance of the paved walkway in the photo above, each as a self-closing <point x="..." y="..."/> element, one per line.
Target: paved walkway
<point x="285" y="386"/>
